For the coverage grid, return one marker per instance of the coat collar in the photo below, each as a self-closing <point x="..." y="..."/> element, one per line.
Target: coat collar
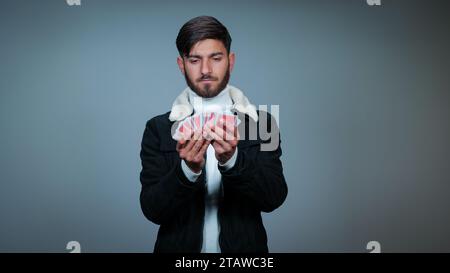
<point x="182" y="107"/>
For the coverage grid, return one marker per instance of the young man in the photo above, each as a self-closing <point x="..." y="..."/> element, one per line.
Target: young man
<point x="207" y="190"/>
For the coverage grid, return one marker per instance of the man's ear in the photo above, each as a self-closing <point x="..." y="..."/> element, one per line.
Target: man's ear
<point x="231" y="57"/>
<point x="180" y="63"/>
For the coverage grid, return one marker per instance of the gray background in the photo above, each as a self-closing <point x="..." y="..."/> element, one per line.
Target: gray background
<point x="364" y="117"/>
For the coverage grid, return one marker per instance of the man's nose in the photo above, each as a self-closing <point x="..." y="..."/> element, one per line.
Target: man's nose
<point x="206" y="67"/>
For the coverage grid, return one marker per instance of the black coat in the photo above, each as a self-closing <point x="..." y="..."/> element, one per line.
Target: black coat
<point x="255" y="184"/>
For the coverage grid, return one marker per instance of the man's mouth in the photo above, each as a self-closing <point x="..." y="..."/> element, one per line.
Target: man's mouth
<point x="207" y="80"/>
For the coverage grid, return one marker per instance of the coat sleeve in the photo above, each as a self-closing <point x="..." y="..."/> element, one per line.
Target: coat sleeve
<point x="258" y="175"/>
<point x="165" y="188"/>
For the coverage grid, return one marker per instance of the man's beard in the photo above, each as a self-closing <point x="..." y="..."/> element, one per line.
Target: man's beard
<point x="208" y="91"/>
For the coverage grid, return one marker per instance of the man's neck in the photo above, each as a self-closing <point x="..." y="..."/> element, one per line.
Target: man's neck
<point x="220" y="103"/>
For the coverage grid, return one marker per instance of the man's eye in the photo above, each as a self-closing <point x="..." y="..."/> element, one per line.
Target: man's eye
<point x="193" y="61"/>
<point x="217" y="59"/>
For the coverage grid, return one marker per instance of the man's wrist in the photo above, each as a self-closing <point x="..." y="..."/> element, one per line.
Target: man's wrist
<point x="230" y="162"/>
<point x="189" y="173"/>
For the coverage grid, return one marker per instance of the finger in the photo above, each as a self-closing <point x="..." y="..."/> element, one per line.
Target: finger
<point x="198" y="144"/>
<point x="210" y="134"/>
<point x="203" y="149"/>
<point x="181" y="142"/>
<point x="218" y="148"/>
<point x="213" y="134"/>
<point x="228" y="127"/>
<point x="183" y="139"/>
<point x="218" y="131"/>
<point x="218" y="140"/>
<point x="222" y="133"/>
<point x="179" y="145"/>
<point x="191" y="142"/>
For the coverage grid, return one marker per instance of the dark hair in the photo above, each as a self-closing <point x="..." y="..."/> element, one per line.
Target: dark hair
<point x="201" y="28"/>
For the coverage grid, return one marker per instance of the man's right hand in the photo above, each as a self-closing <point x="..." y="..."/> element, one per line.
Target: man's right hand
<point x="192" y="150"/>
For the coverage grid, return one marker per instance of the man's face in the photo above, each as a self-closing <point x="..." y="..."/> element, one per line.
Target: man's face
<point x="207" y="68"/>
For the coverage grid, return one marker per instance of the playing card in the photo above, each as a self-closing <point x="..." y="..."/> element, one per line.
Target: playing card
<point x="184" y="129"/>
<point x="229" y="119"/>
<point x="209" y="118"/>
<point x="196" y="120"/>
<point x="199" y="121"/>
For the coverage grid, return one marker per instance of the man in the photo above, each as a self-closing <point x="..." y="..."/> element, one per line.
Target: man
<point x="207" y="190"/>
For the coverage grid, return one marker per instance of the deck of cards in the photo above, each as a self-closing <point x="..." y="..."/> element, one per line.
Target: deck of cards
<point x="198" y="121"/>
